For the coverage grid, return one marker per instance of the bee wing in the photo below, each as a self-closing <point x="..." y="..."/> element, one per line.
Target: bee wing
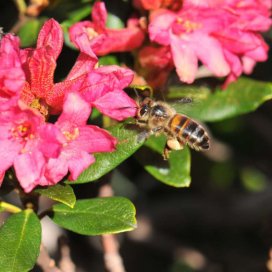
<point x="184" y="98"/>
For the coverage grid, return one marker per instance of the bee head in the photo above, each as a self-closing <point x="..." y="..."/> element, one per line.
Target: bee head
<point x="144" y="109"/>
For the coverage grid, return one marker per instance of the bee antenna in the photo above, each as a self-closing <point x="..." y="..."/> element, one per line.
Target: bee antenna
<point x="128" y="107"/>
<point x="136" y="93"/>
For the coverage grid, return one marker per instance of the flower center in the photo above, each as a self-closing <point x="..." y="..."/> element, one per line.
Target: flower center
<point x="172" y="4"/>
<point x="22" y="131"/>
<point x="91" y="33"/>
<point x="71" y="135"/>
<point x="41" y="106"/>
<point x="185" y="26"/>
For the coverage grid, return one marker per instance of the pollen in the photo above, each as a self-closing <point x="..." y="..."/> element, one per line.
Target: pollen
<point x="91" y="32"/>
<point x="41" y="106"/>
<point x="22" y="132"/>
<point x="71" y="135"/>
<point x="187" y="25"/>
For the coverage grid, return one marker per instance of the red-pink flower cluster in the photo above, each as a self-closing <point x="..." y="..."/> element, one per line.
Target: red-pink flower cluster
<point x="41" y="152"/>
<point x="103" y="40"/>
<point x="223" y="34"/>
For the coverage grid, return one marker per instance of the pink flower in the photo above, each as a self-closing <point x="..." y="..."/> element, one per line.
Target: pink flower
<point x="78" y="141"/>
<point x="223" y="37"/>
<point x="156" y="64"/>
<point x="103" y="40"/>
<point x="41" y="93"/>
<point x="43" y="153"/>
<point x="39" y="65"/>
<point x="156" y="4"/>
<point x="12" y="77"/>
<point x="105" y="91"/>
<point x="26" y="142"/>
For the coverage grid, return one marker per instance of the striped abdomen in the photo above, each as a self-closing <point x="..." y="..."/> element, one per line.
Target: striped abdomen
<point x="189" y="132"/>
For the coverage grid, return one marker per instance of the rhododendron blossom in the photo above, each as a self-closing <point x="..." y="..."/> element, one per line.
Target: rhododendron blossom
<point x="103" y="40"/>
<point x="78" y="140"/>
<point x="156" y="4"/>
<point x="223" y="37"/>
<point x="26" y="142"/>
<point x="42" y="153"/>
<point x="156" y="64"/>
<point x="12" y="76"/>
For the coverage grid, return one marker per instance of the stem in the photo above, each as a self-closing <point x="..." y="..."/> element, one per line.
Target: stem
<point x="45" y="262"/>
<point x="66" y="264"/>
<point x="21" y="6"/>
<point x="112" y="258"/>
<point x="9" y="207"/>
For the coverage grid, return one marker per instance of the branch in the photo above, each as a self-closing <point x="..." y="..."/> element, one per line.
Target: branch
<point x="45" y="262"/>
<point x="112" y="258"/>
<point x="66" y="264"/>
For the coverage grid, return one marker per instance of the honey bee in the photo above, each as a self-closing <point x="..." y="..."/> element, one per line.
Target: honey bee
<point x="158" y="117"/>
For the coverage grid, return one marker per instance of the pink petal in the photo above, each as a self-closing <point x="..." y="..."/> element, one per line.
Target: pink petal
<point x="121" y="40"/>
<point x="79" y="163"/>
<point x="75" y="111"/>
<point x="2" y="175"/>
<point x="8" y="151"/>
<point x="83" y="43"/>
<point x="120" y="77"/>
<point x="248" y="64"/>
<point x="185" y="59"/>
<point x="56" y="170"/>
<point x="50" y="140"/>
<point x="41" y="66"/>
<point x="12" y="76"/>
<point x="160" y="25"/>
<point x="236" y="68"/>
<point x="210" y="52"/>
<point x="56" y="97"/>
<point x="94" y="139"/>
<point x="83" y="65"/>
<point x="51" y="35"/>
<point x="99" y="15"/>
<point x="118" y="105"/>
<point x="28" y="168"/>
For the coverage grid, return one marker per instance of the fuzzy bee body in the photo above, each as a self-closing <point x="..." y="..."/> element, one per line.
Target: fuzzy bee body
<point x="160" y="118"/>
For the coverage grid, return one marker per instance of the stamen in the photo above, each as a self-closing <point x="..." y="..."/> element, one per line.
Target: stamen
<point x="71" y="136"/>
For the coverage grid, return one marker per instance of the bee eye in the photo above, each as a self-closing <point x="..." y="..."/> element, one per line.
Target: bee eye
<point x="143" y="110"/>
<point x="158" y="111"/>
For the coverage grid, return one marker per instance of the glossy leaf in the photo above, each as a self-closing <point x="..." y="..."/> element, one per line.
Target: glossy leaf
<point x="96" y="216"/>
<point x="241" y="97"/>
<point x="175" y="171"/>
<point x="114" y="22"/>
<point x="20" y="239"/>
<point x="128" y="143"/>
<point x="28" y="33"/>
<point x="60" y="192"/>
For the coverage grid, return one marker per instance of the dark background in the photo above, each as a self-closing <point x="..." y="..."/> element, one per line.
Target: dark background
<point x="221" y="223"/>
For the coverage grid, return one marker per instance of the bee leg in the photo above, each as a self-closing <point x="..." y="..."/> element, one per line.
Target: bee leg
<point x="143" y="136"/>
<point x="172" y="144"/>
<point x="166" y="152"/>
<point x="157" y="130"/>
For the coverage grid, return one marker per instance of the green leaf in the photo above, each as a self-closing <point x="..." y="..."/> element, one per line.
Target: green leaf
<point x="108" y="60"/>
<point x="20" y="239"/>
<point x="60" y="192"/>
<point x="175" y="171"/>
<point x="241" y="97"/>
<point x="114" y="22"/>
<point x="128" y="143"/>
<point x="28" y="33"/>
<point x="96" y="216"/>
